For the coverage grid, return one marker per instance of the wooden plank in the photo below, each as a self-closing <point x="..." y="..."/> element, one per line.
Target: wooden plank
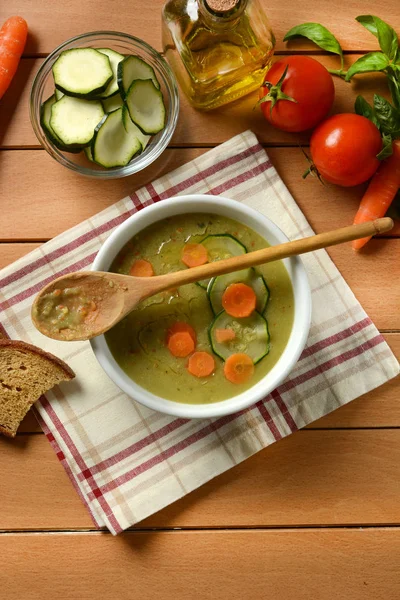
<point x="11" y="252"/>
<point x="70" y="198"/>
<point x="309" y="478"/>
<point x="195" y="128"/>
<point x="324" y="564"/>
<point x="41" y="196"/>
<point x="365" y="275"/>
<point x="29" y="424"/>
<point x="66" y="19"/>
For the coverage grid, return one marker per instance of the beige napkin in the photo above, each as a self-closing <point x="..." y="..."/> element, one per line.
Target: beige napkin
<point x="126" y="461"/>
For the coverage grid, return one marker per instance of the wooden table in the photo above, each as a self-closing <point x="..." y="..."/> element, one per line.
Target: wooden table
<point x="315" y="516"/>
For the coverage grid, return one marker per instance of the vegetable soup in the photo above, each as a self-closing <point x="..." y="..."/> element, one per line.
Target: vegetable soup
<point x="206" y="341"/>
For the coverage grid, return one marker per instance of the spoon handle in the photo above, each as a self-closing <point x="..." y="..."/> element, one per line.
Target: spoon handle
<point x="258" y="257"/>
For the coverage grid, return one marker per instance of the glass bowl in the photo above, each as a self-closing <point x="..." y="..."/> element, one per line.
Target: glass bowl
<point x="43" y="88"/>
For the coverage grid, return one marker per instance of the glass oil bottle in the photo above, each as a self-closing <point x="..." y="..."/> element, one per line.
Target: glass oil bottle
<point x="218" y="49"/>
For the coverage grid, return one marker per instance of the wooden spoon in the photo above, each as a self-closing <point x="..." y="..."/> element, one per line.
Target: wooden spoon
<point x="114" y="296"/>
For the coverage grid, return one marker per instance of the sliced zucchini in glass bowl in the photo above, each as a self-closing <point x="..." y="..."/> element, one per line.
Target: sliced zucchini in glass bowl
<point x="115" y="58"/>
<point x="251" y="336"/>
<point x="112" y="103"/>
<point x="73" y="120"/>
<point x="88" y="153"/>
<point x="82" y="72"/>
<point x="146" y="106"/>
<point x="112" y="145"/>
<point x="131" y="69"/>
<point x="132" y="129"/>
<point x="58" y="94"/>
<point x="45" y="115"/>
<point x="124" y="45"/>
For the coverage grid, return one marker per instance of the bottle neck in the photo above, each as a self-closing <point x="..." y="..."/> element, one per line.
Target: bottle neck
<point x="221" y="12"/>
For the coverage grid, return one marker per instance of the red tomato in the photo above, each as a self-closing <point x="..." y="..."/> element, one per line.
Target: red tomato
<point x="344" y="148"/>
<point x="307" y="82"/>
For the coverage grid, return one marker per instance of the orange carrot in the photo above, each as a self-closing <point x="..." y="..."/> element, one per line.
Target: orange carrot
<point x="239" y="300"/>
<point x="142" y="268"/>
<point x="238" y="368"/>
<point x="201" y="364"/>
<point x="13" y="36"/>
<point x="181" y="344"/>
<point x="380" y="192"/>
<point x="224" y="335"/>
<point x="180" y="326"/>
<point x="194" y="255"/>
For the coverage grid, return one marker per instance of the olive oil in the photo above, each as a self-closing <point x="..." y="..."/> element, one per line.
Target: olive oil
<point x="219" y="49"/>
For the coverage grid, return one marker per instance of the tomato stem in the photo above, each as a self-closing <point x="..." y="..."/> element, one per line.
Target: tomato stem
<point x="338" y="72"/>
<point x="275" y="92"/>
<point x="312" y="169"/>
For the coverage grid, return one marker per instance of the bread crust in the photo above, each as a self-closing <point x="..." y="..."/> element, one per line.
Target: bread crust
<point x="7" y="432"/>
<point x="19" y="345"/>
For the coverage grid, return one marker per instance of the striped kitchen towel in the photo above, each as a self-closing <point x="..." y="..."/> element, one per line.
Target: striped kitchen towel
<point x="126" y="461"/>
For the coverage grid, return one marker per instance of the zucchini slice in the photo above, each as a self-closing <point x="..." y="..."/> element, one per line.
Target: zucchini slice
<point x="146" y="106"/>
<point x="45" y="115"/>
<point x="132" y="129"/>
<point x="251" y="336"/>
<point x="250" y="277"/>
<point x="220" y="246"/>
<point x="112" y="145"/>
<point x="82" y="72"/>
<point x="114" y="58"/>
<point x="58" y="94"/>
<point x="88" y="153"/>
<point x="73" y="120"/>
<point x="112" y="103"/>
<point x="132" y="68"/>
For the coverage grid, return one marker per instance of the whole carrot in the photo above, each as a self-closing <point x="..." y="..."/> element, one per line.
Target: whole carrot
<point x="380" y="192"/>
<point x="13" y="36"/>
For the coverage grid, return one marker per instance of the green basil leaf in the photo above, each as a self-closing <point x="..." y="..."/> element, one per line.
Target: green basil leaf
<point x="387" y="115"/>
<point x="387" y="149"/>
<point x="368" y="22"/>
<point x="386" y="35"/>
<point x="318" y="34"/>
<point x="373" y="61"/>
<point x="363" y="108"/>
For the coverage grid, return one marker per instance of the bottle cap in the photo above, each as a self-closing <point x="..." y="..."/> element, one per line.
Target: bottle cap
<point x="222" y="6"/>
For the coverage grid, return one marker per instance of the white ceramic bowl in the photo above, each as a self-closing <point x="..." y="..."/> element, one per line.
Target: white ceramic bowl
<point x="302" y="310"/>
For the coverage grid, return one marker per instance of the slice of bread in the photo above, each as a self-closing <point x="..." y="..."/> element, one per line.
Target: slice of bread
<point x="26" y="372"/>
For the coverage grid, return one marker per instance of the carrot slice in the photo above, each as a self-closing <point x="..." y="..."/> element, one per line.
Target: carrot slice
<point x="181" y="344"/>
<point x="201" y="364"/>
<point x="224" y="335"/>
<point x="194" y="255"/>
<point x="180" y="326"/>
<point x="382" y="189"/>
<point x="238" y="368"/>
<point x="239" y="300"/>
<point x="142" y="268"/>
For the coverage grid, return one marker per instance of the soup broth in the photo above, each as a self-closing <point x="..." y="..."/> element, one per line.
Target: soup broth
<point x="138" y="342"/>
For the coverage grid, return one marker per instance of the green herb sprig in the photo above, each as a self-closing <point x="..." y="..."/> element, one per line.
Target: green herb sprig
<point x="383" y="114"/>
